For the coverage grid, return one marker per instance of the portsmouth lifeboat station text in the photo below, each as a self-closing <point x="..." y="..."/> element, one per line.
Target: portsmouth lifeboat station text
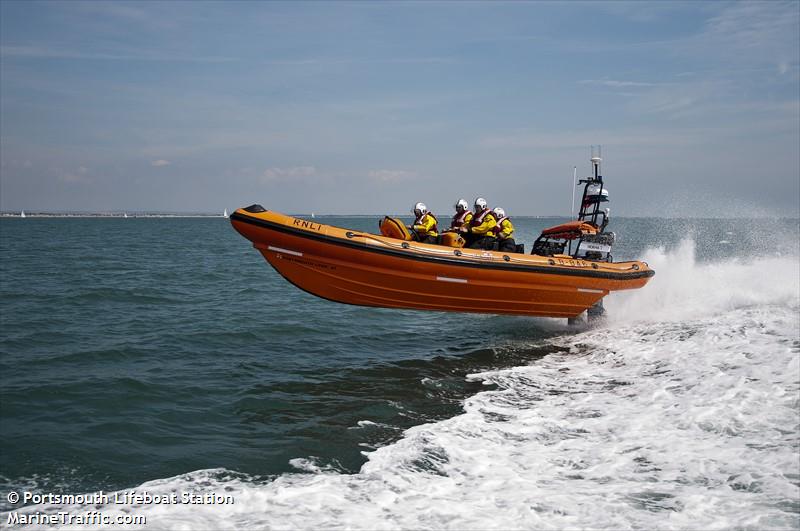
<point x="131" y="497"/>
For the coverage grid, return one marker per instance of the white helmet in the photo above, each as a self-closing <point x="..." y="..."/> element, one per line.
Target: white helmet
<point x="499" y="212"/>
<point x="461" y="205"/>
<point x="480" y="204"/>
<point x="420" y="209"/>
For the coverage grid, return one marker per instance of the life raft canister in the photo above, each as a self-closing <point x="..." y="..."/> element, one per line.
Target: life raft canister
<point x="453" y="239"/>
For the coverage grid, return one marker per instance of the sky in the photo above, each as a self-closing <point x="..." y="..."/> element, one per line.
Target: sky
<point x="369" y="107"/>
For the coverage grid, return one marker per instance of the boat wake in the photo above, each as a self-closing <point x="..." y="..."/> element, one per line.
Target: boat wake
<point x="686" y="289"/>
<point x="678" y="412"/>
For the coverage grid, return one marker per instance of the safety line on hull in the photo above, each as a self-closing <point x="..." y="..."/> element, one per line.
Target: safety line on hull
<point x="285" y="251"/>
<point x="448" y="279"/>
<point x="450" y="260"/>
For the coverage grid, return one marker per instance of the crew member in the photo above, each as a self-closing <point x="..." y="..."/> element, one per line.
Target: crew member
<point x="503" y="231"/>
<point x="463" y="215"/>
<point x="425" y="229"/>
<point x="479" y="231"/>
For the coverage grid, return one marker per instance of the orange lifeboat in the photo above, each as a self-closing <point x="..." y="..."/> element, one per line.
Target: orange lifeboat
<point x="355" y="267"/>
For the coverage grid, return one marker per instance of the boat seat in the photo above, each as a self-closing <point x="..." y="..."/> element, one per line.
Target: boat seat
<point x="394" y="228"/>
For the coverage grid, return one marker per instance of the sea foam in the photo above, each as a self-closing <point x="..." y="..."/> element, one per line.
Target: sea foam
<point x="677" y="412"/>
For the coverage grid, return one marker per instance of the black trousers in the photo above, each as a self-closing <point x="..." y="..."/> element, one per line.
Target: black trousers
<point x="424" y="239"/>
<point x="507" y="245"/>
<point x="483" y="242"/>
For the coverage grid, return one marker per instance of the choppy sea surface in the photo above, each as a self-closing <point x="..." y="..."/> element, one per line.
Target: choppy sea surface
<point x="166" y="356"/>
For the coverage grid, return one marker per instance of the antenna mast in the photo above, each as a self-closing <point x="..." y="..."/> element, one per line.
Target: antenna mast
<point x="593" y="192"/>
<point x="574" y="184"/>
<point x="596" y="160"/>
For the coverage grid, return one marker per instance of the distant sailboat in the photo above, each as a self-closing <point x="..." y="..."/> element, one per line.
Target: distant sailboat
<point x="225" y="214"/>
<point x="22" y="214"/>
<point x="125" y="215"/>
<point x="312" y="215"/>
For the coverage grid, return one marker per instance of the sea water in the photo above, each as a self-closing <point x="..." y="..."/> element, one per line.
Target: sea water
<point x="165" y="358"/>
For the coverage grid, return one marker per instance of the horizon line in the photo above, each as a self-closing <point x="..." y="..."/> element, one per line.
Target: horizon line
<point x="196" y="214"/>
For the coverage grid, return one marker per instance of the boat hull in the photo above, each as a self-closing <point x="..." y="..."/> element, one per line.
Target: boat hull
<point x="372" y="270"/>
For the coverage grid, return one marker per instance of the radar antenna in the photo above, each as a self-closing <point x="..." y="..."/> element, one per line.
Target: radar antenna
<point x="596" y="160"/>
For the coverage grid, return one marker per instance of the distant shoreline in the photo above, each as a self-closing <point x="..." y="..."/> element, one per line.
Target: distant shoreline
<point x="160" y="215"/>
<point x="121" y="215"/>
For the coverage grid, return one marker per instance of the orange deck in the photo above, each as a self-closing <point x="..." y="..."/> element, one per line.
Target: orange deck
<point x="372" y="270"/>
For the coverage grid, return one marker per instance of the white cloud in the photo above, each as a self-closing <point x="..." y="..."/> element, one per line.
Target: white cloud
<point x="56" y="52"/>
<point x="639" y="12"/>
<point x="756" y="31"/>
<point x="50" y="52"/>
<point x="742" y="46"/>
<point x="151" y="15"/>
<point x="614" y="136"/>
<point x="160" y="162"/>
<point x="392" y="175"/>
<point x="615" y="83"/>
<point x="358" y="61"/>
<point x="288" y="174"/>
<point x="78" y="176"/>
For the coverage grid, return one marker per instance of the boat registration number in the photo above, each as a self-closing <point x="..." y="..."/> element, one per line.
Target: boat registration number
<point x="571" y="262"/>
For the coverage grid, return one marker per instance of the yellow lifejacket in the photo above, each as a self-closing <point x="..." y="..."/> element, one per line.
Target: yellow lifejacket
<point x="483" y="223"/>
<point x="426" y="225"/>
<point x="504" y="228"/>
<point x="460" y="220"/>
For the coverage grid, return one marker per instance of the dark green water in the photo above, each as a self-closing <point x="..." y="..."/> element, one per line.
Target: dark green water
<point x="136" y="349"/>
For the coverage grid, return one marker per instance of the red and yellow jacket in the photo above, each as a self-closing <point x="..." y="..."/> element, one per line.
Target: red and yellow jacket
<point x="482" y="224"/>
<point x="504" y="228"/>
<point x="426" y="225"/>
<point x="460" y="220"/>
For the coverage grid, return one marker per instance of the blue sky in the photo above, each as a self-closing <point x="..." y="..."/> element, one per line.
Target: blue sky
<point x="369" y="107"/>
